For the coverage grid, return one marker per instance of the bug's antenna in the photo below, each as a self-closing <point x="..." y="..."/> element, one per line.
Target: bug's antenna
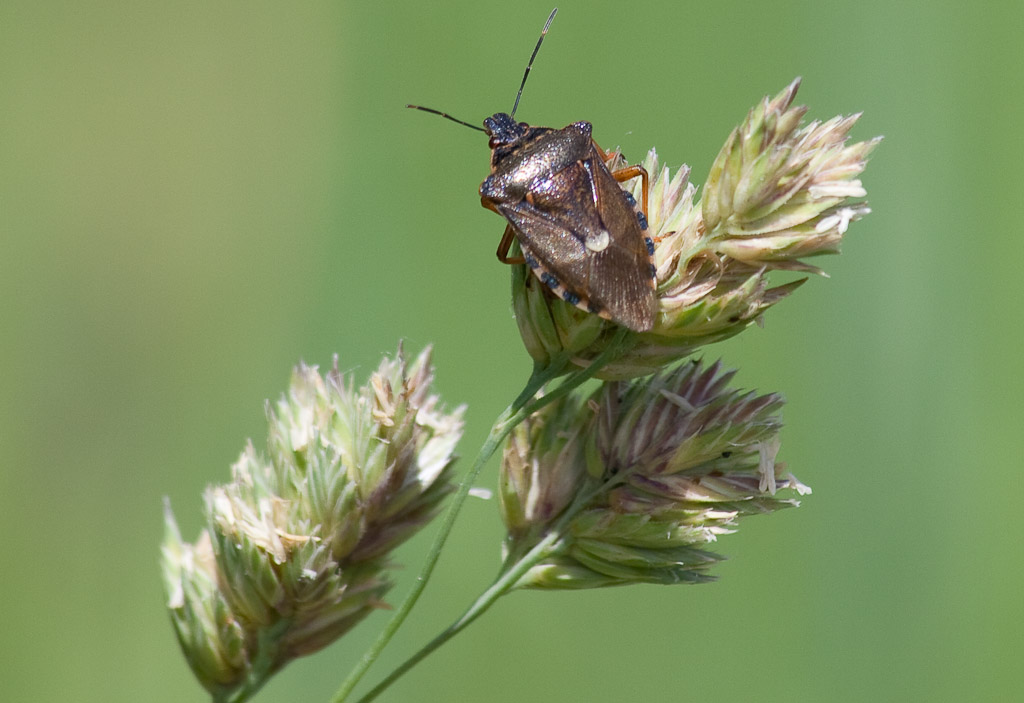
<point x="446" y="116"/>
<point x="532" y="57"/>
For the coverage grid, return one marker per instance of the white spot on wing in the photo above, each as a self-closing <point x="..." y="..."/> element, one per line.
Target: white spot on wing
<point x="600" y="242"/>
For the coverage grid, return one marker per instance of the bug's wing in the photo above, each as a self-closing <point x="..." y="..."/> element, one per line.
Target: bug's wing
<point x="623" y="274"/>
<point x="584" y="242"/>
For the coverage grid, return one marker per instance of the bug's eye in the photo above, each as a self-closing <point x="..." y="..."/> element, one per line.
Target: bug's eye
<point x="492" y="142"/>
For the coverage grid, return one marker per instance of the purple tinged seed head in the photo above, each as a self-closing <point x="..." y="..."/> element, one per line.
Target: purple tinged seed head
<point x="638" y="477"/>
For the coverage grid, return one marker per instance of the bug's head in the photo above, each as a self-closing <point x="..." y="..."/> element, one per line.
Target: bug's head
<point x="503" y="129"/>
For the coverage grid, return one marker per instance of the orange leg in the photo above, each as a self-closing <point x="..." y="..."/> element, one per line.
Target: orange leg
<point x="605" y="155"/>
<point x="624" y="174"/>
<point x="505" y="245"/>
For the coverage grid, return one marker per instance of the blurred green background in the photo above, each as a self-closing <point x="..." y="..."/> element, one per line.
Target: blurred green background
<point x="194" y="196"/>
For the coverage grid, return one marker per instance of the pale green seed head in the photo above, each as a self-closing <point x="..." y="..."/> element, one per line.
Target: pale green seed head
<point x="296" y="547"/>
<point x="777" y="193"/>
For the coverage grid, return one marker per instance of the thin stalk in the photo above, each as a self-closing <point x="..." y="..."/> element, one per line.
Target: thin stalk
<point x="507" y="579"/>
<point x="520" y="409"/>
<point x="611" y="352"/>
<point x="485" y="601"/>
<point x="508" y="419"/>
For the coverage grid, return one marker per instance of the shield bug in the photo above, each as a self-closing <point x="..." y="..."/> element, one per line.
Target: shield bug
<point x="581" y="234"/>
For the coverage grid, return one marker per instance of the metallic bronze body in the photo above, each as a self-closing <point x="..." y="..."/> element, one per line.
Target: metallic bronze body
<point x="580" y="233"/>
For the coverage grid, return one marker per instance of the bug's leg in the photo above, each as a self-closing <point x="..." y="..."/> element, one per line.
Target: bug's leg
<point x="624" y="174"/>
<point x="606" y="156"/>
<point x="505" y="244"/>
